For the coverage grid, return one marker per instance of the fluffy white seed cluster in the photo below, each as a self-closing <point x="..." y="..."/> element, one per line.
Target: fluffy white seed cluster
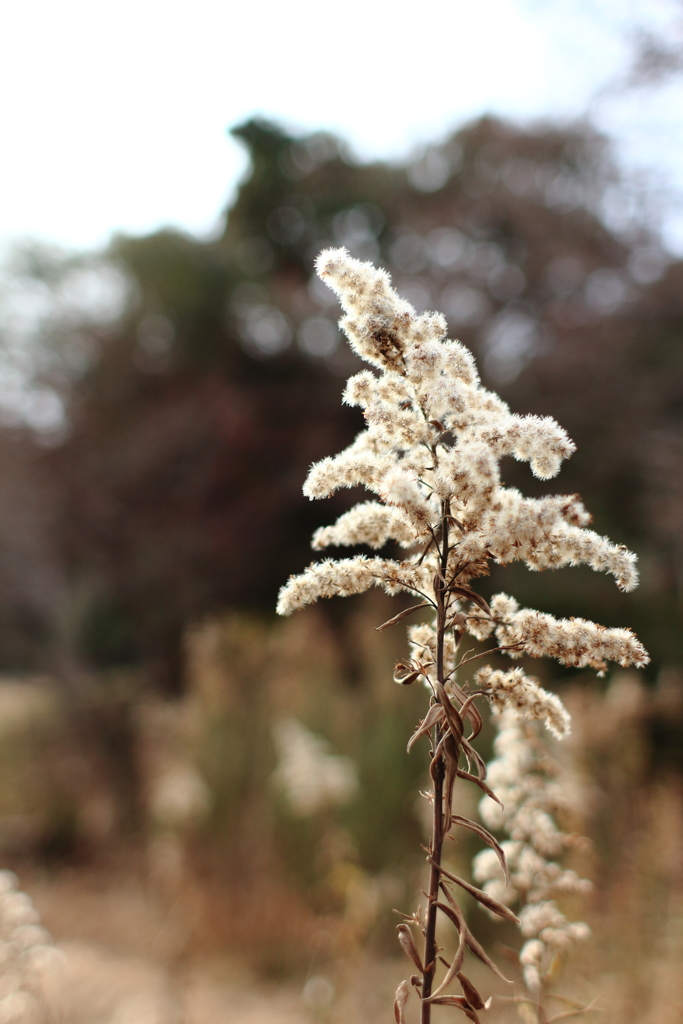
<point x="522" y="696"/>
<point x="346" y="576"/>
<point x="430" y="457"/>
<point x="26" y="954"/>
<point x="308" y="774"/>
<point x="574" y="642"/>
<point x="368" y="523"/>
<point x="523" y="776"/>
<point x="433" y="435"/>
<point x="548" y="533"/>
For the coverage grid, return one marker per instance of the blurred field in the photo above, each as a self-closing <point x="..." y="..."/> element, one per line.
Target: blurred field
<point x="213" y="810"/>
<point x="227" y="903"/>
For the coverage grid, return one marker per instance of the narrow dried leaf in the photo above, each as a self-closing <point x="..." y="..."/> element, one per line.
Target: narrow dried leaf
<point x="455" y="966"/>
<point x="471" y="993"/>
<point x="405" y="937"/>
<point x="468" y="710"/>
<point x="474" y="755"/>
<point x="452" y="715"/>
<point x="478" y="782"/>
<point x="479" y="951"/>
<point x="460" y="694"/>
<point x="452" y="756"/>
<point x="401" y="615"/>
<point x="452" y="749"/>
<point x="406" y="672"/>
<point x="435" y="714"/>
<point x="458" y="1001"/>
<point x="490" y="840"/>
<point x="407" y="680"/>
<point x="483" y="897"/>
<point x="471" y="595"/>
<point x="436" y="756"/>
<point x="477" y="722"/>
<point x="457" y="622"/>
<point x="455" y="914"/>
<point x="402" y="993"/>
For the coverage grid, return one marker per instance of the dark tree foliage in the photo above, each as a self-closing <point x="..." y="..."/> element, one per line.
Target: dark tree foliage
<point x="193" y="427"/>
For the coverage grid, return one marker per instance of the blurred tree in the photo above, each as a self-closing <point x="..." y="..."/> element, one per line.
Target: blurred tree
<point x="32" y="583"/>
<point x="189" y="421"/>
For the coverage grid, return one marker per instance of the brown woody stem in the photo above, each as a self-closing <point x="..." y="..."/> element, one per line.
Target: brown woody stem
<point x="436" y="844"/>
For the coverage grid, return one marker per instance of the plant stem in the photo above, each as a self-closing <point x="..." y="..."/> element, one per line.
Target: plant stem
<point x="437" y="839"/>
<point x="435" y="847"/>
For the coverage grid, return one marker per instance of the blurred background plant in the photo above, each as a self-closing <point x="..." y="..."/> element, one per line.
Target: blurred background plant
<point x="157" y="407"/>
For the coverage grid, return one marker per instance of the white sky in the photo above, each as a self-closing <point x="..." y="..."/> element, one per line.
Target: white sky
<point x="114" y="115"/>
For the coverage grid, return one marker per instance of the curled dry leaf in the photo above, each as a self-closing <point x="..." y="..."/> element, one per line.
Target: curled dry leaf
<point x="452" y="715"/>
<point x="462" y="774"/>
<point x="435" y="715"/>
<point x="484" y="834"/>
<point x="402" y="993"/>
<point x="455" y="914"/>
<point x="470" y="992"/>
<point x="469" y="710"/>
<point x="473" y="596"/>
<point x="405" y="937"/>
<point x="405" y="672"/>
<point x="473" y="755"/>
<point x="453" y="968"/>
<point x="451" y="754"/>
<point x="460" y="1002"/>
<point x="458" y="622"/>
<point x="483" y="897"/>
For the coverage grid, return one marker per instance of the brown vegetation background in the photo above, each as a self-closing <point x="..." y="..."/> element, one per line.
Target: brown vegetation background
<point x="146" y="529"/>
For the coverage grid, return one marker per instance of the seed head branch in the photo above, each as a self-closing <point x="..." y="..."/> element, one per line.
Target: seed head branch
<point x="429" y="456"/>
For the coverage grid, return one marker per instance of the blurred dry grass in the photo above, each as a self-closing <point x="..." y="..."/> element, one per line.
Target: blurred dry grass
<point x="224" y="906"/>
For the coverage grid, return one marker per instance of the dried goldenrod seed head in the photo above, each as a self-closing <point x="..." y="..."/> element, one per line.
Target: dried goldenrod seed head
<point x="430" y="457"/>
<point x="427" y="389"/>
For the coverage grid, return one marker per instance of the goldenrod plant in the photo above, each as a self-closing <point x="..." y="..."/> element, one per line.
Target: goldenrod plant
<point x="430" y="454"/>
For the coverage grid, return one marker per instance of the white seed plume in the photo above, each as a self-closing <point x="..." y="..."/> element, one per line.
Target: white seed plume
<point x="430" y="457"/>
<point x="367" y="523"/>
<point x="344" y="577"/>
<point x="524" y="778"/>
<point x="522" y="696"/>
<point x="433" y="433"/>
